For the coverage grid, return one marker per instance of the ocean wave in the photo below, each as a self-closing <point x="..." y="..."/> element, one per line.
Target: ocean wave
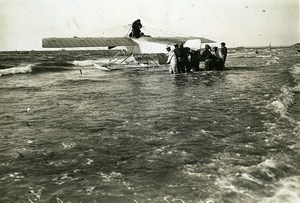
<point x="270" y="173"/>
<point x="272" y="60"/>
<point x="15" y="70"/>
<point x="287" y="192"/>
<point x="286" y="98"/>
<point x="281" y="103"/>
<point x="37" y="68"/>
<point x="295" y="72"/>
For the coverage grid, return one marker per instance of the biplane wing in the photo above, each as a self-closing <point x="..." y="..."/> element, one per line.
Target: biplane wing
<point x="87" y="42"/>
<point x="142" y="45"/>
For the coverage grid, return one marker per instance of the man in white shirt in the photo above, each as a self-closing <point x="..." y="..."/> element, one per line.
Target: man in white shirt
<point x="172" y="60"/>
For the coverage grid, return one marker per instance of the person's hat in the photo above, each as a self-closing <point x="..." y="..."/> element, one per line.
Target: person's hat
<point x="207" y="46"/>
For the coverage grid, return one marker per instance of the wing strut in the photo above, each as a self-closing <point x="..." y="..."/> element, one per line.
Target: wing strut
<point x="139" y="60"/>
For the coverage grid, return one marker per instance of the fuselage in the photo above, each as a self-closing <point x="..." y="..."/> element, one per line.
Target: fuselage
<point x="145" y="47"/>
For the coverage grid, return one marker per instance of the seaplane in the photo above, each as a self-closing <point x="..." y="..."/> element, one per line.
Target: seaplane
<point x="144" y="46"/>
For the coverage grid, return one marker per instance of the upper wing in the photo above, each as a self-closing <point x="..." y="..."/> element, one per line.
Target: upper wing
<point x="175" y="40"/>
<point x="87" y="42"/>
<point x="115" y="41"/>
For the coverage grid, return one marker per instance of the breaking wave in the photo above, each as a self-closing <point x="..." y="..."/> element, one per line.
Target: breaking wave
<point x="54" y="66"/>
<point x="295" y="71"/>
<point x="57" y="66"/>
<point x="281" y="103"/>
<point x="285" y="99"/>
<point x="15" y="70"/>
<point x="288" y="191"/>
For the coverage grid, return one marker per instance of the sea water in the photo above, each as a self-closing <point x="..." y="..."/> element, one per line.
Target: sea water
<point x="71" y="133"/>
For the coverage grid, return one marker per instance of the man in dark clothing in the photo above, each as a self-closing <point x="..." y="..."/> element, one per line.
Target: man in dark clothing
<point x="178" y="54"/>
<point x="207" y="57"/>
<point x="206" y="54"/>
<point x="223" y="52"/>
<point x="183" y="62"/>
<point x="136" y="28"/>
<point x="187" y="56"/>
<point x="218" y="63"/>
<point x="195" y="59"/>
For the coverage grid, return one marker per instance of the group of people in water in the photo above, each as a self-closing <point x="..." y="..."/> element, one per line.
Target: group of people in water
<point x="183" y="59"/>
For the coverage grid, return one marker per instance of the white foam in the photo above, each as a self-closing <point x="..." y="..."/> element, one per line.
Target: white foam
<point x="110" y="177"/>
<point x="296" y="88"/>
<point x="264" y="56"/>
<point x="15" y="70"/>
<point x="283" y="101"/>
<point x="271" y="61"/>
<point x="251" y="178"/>
<point x="268" y="163"/>
<point x="68" y="145"/>
<point x="89" y="161"/>
<point x="279" y="107"/>
<point x="295" y="71"/>
<point x="225" y="184"/>
<point x="287" y="192"/>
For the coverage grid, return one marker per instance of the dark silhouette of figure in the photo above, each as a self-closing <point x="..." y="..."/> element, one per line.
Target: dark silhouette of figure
<point x="195" y="60"/>
<point x="178" y="54"/>
<point x="176" y="49"/>
<point x="207" y="57"/>
<point x="187" y="59"/>
<point x="223" y="52"/>
<point x="218" y="63"/>
<point x="136" y="29"/>
<point x="183" y="59"/>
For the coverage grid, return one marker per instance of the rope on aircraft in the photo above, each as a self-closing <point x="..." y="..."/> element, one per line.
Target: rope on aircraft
<point x="116" y="31"/>
<point x="162" y="32"/>
<point x="124" y="31"/>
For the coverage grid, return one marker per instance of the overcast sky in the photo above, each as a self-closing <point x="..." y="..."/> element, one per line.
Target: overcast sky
<point x="237" y="22"/>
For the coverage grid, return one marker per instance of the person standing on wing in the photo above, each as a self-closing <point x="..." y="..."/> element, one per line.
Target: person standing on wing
<point x="136" y="28"/>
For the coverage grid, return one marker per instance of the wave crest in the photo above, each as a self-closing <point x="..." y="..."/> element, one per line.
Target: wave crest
<point x="15" y="70"/>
